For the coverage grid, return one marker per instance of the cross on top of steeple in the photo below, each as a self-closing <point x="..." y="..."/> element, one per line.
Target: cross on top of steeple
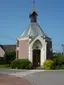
<point x="33" y="3"/>
<point x="33" y="15"/>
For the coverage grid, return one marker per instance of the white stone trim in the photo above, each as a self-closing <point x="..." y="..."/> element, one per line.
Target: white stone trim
<point x="30" y="54"/>
<point x="23" y="38"/>
<point x="17" y="48"/>
<point x="43" y="50"/>
<point x="42" y="57"/>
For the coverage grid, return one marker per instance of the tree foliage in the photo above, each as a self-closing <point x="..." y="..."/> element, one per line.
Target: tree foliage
<point x="10" y="56"/>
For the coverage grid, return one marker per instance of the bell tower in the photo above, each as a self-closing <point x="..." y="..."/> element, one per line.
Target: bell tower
<point x="33" y="15"/>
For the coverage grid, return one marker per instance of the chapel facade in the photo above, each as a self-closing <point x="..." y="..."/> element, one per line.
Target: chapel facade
<point x="34" y="44"/>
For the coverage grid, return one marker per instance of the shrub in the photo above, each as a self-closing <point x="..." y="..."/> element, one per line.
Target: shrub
<point x="60" y="67"/>
<point x="59" y="59"/>
<point x="21" y="64"/>
<point x="49" y="64"/>
<point x="10" y="56"/>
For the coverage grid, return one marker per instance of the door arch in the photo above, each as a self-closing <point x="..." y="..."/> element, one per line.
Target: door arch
<point x="36" y="58"/>
<point x="36" y="53"/>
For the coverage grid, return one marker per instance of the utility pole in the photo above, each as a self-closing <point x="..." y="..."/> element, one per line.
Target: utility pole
<point x="62" y="48"/>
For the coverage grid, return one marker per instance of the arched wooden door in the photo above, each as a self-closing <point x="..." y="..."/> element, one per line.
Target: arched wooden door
<point x="36" y="58"/>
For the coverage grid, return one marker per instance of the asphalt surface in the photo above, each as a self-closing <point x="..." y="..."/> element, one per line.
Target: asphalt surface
<point x="37" y="77"/>
<point x="46" y="78"/>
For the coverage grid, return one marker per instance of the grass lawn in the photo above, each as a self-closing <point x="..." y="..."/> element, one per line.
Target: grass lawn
<point x="5" y="66"/>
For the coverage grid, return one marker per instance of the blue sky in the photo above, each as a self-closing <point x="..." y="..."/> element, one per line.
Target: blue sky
<point x="14" y="19"/>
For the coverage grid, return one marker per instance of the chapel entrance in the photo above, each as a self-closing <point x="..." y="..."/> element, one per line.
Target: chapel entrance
<point x="36" y="58"/>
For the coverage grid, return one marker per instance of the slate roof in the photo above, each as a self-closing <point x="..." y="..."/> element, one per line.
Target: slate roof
<point x="33" y="29"/>
<point x="8" y="47"/>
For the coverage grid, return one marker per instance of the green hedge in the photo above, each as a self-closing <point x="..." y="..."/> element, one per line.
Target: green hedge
<point x="48" y="64"/>
<point x="21" y="64"/>
<point x="59" y="61"/>
<point x="59" y="67"/>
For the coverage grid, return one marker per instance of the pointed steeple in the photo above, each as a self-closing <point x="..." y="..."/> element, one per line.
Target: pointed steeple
<point x="34" y="28"/>
<point x="33" y="15"/>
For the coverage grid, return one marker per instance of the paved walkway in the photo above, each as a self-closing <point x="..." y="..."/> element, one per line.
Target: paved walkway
<point x="15" y="77"/>
<point x="18" y="73"/>
<point x="11" y="80"/>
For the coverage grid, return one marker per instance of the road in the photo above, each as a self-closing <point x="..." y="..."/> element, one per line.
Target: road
<point x="38" y="77"/>
<point x="46" y="78"/>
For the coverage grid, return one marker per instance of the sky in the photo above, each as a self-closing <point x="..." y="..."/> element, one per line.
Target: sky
<point x="14" y="19"/>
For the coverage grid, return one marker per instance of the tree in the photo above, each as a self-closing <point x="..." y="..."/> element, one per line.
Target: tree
<point x="10" y="56"/>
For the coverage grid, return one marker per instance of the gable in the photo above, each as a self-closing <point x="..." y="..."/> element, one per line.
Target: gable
<point x="2" y="52"/>
<point x="41" y="39"/>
